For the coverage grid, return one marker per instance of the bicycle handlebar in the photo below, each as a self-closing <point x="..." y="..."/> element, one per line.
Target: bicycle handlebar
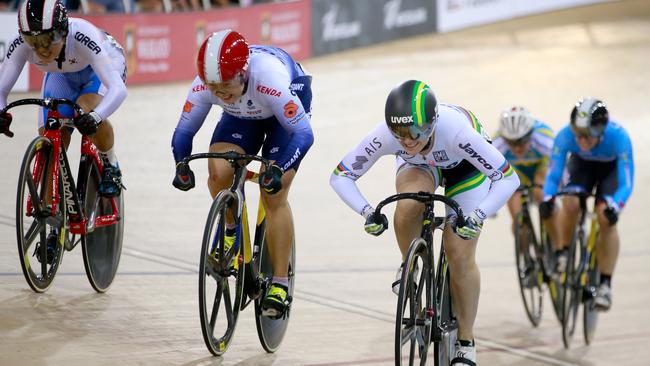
<point x="526" y="187"/>
<point x="49" y="103"/>
<point x="424" y="197"/>
<point x="232" y="156"/>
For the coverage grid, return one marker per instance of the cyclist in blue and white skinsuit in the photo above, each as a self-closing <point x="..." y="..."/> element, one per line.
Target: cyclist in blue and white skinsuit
<point x="266" y="100"/>
<point x="82" y="63"/>
<point x="601" y="157"/>
<point x="434" y="143"/>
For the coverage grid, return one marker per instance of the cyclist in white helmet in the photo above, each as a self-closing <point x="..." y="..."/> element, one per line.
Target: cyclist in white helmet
<point x="526" y="142"/>
<point x="435" y="144"/>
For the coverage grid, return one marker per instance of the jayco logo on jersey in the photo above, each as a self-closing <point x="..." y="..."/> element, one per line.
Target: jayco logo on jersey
<point x="401" y="120"/>
<point x="269" y="91"/>
<point x="333" y="31"/>
<point x="12" y="47"/>
<point x="394" y="18"/>
<point x="85" y="40"/>
<point x="468" y="149"/>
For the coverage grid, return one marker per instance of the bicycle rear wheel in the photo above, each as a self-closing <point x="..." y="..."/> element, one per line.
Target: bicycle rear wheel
<point x="102" y="247"/>
<point x="221" y="278"/>
<point x="444" y="346"/>
<point x="590" y="313"/>
<point x="34" y="219"/>
<point x="414" y="306"/>
<point x="529" y="271"/>
<point x="271" y="331"/>
<point x="572" y="292"/>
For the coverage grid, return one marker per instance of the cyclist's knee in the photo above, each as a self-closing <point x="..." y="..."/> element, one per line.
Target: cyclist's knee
<point x="571" y="206"/>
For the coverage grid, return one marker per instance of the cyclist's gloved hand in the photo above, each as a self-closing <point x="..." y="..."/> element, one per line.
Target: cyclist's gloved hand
<point x="612" y="210"/>
<point x="87" y="123"/>
<point x="271" y="179"/>
<point x="375" y="224"/>
<point x="184" y="179"/>
<point x="546" y="208"/>
<point x="5" y="121"/>
<point x="473" y="225"/>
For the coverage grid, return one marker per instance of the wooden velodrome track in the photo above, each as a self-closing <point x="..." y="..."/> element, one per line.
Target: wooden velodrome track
<point x="343" y="311"/>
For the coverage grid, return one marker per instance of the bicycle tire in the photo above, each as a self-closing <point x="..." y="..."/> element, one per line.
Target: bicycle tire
<point x="102" y="248"/>
<point x="271" y="331"/>
<point x="555" y="288"/>
<point x="33" y="230"/>
<point x="529" y="276"/>
<point x="414" y="317"/>
<point x="444" y="348"/>
<point x="226" y="267"/>
<point x="589" y="311"/>
<point x="572" y="291"/>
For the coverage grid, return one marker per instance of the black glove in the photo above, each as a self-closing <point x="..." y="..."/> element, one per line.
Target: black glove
<point x="184" y="179"/>
<point x="376" y="224"/>
<point x="612" y="215"/>
<point x="271" y="179"/>
<point x="5" y="121"/>
<point x="87" y="123"/>
<point x="546" y="209"/>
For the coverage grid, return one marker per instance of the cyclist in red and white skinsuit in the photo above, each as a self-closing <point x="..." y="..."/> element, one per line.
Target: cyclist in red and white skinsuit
<point x="434" y="144"/>
<point x="266" y="100"/>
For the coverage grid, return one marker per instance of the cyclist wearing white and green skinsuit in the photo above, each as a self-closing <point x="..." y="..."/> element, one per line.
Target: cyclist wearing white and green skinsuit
<point x="435" y="145"/>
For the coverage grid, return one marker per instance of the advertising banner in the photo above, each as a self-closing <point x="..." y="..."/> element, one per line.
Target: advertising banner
<point x="342" y="24"/>
<point x="457" y="14"/>
<point x="8" y="32"/>
<point x="163" y="47"/>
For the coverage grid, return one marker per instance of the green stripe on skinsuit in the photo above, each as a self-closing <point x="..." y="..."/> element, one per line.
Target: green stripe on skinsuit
<point x="466" y="185"/>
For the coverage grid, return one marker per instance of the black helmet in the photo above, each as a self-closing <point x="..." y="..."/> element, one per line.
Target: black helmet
<point x="411" y="110"/>
<point x="589" y="117"/>
<point x="42" y="22"/>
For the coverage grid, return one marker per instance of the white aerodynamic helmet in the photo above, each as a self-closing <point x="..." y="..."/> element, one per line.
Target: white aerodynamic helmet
<point x="516" y="123"/>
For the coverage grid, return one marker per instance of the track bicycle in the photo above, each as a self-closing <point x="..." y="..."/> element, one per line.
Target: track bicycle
<point x="581" y="279"/>
<point x="54" y="213"/>
<point x="424" y="306"/>
<point x="535" y="261"/>
<point x="231" y="277"/>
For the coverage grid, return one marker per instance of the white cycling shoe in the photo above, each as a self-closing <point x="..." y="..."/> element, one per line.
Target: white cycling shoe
<point x="465" y="354"/>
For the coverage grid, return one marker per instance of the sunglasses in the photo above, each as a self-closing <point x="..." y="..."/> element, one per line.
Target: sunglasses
<point x="43" y="41"/>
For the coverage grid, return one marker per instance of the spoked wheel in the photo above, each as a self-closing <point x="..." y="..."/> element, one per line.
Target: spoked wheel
<point x="414" y="307"/>
<point x="221" y="279"/>
<point x="572" y="295"/>
<point x="444" y="345"/>
<point x="529" y="272"/>
<point x="271" y="331"/>
<point x="41" y="233"/>
<point x="102" y="247"/>
<point x="590" y="313"/>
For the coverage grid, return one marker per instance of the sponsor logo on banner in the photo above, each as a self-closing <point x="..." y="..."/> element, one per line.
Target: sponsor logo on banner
<point x="395" y="17"/>
<point x="333" y="31"/>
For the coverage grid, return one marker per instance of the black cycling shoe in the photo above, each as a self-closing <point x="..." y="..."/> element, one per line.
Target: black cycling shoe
<point x="111" y="184"/>
<point x="277" y="301"/>
<point x="51" y="241"/>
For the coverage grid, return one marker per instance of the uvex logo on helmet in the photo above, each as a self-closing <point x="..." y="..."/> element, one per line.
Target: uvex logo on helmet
<point x="404" y="120"/>
<point x="222" y="56"/>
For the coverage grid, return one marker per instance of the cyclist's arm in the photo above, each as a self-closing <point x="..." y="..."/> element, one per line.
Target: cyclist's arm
<point x="195" y="110"/>
<point x="625" y="169"/>
<point x="11" y="67"/>
<point x="356" y="163"/>
<point x="489" y="161"/>
<point x="290" y="112"/>
<point x="99" y="59"/>
<point x="557" y="162"/>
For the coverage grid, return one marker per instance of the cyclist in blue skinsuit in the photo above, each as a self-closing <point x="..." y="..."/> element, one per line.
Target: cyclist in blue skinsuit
<point x="601" y="157"/>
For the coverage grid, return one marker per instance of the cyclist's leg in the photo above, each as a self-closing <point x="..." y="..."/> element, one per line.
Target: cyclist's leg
<point x="408" y="213"/>
<point x="608" y="242"/>
<point x="468" y="187"/>
<point x="580" y="179"/>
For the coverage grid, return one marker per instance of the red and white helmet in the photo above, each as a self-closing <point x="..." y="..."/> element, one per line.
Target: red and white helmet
<point x="222" y="56"/>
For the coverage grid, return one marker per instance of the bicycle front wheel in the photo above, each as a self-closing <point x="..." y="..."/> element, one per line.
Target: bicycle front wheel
<point x="445" y="341"/>
<point x="221" y="277"/>
<point x="40" y="232"/>
<point x="529" y="271"/>
<point x="414" y="307"/>
<point x="572" y="292"/>
<point x="102" y="247"/>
